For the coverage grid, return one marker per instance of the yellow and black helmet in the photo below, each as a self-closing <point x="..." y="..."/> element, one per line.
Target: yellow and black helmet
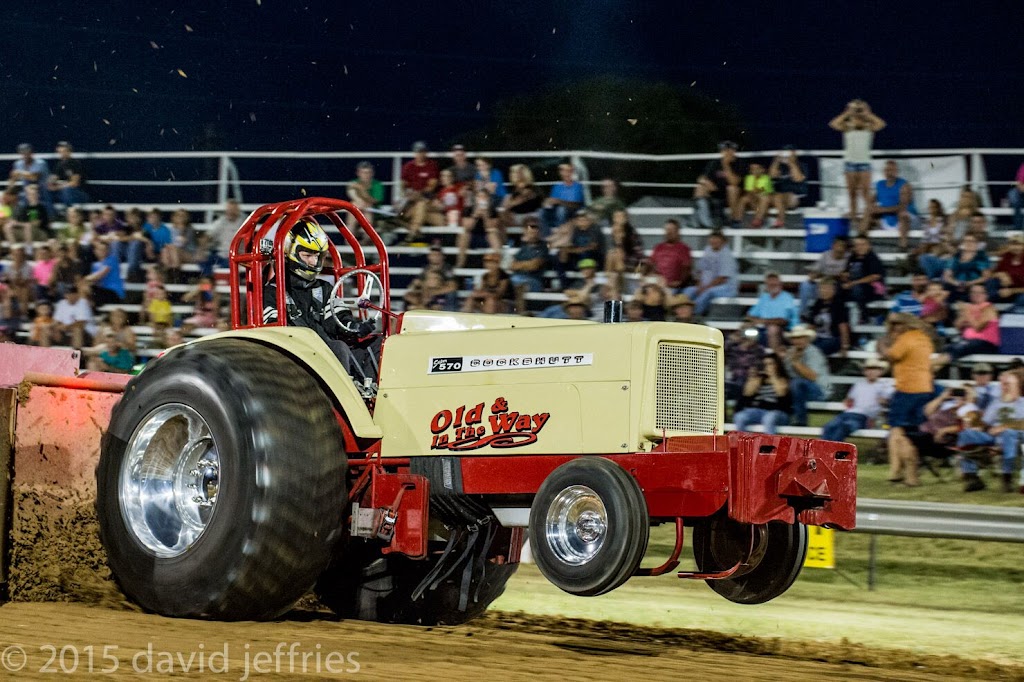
<point x="306" y="237"/>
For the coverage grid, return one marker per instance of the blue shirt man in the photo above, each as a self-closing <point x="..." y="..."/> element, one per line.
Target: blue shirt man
<point x="775" y="304"/>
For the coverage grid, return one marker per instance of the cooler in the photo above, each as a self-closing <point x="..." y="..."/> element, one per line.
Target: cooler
<point x="1011" y="334"/>
<point x="821" y="228"/>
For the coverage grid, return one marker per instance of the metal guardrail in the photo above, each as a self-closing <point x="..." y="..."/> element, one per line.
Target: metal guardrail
<point x="940" y="520"/>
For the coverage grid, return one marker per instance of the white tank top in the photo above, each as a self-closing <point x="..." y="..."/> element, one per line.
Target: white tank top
<point x="857" y="146"/>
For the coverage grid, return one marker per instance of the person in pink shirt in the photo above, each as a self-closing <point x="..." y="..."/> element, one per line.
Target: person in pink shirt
<point x="42" y="272"/>
<point x="671" y="258"/>
<point x="978" y="323"/>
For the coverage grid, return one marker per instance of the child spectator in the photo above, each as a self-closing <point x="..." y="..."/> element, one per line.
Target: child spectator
<point x="366" y="191"/>
<point x="112" y="357"/>
<point x="42" y="273"/>
<point x="934" y="309"/>
<point x="680" y="307"/>
<point x="117" y="325"/>
<point x="757" y="193"/>
<point x="158" y="309"/>
<point x="154" y="282"/>
<point x="449" y="198"/>
<point x="42" y="331"/>
<point x="863" y="402"/>
<point x="33" y="215"/>
<point x="105" y="278"/>
<point x="205" y="300"/>
<point x="766" y="399"/>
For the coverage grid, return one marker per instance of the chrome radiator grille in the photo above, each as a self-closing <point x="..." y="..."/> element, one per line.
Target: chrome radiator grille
<point x="688" y="390"/>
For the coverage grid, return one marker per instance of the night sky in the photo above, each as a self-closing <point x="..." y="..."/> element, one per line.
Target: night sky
<point x="278" y="75"/>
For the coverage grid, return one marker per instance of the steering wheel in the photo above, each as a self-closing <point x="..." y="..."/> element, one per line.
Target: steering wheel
<point x="372" y="286"/>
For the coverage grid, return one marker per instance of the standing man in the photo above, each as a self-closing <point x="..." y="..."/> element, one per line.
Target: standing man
<point x="68" y="180"/>
<point x="909" y="350"/>
<point x="720" y="183"/>
<point x="672" y="258"/>
<point x="719" y="274"/>
<point x="893" y="204"/>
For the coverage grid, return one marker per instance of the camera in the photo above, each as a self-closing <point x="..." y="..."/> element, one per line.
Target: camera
<point x="958" y="393"/>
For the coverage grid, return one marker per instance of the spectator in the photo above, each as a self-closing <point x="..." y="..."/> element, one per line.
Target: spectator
<point x="10" y="314"/>
<point x="586" y="241"/>
<point x="830" y="319"/>
<point x="109" y="227"/>
<point x="493" y="290"/>
<point x="69" y="181"/>
<point x="757" y="193"/>
<point x="1001" y="424"/>
<point x="448" y="200"/>
<point x="18" y="276"/>
<point x="858" y="124"/>
<point x="718" y="274"/>
<point x="671" y="258"/>
<point x="912" y="300"/>
<point x="1016" y="199"/>
<point x="523" y="201"/>
<point x="936" y="258"/>
<point x="978" y="322"/>
<point x="1007" y="282"/>
<point x="221" y="232"/>
<point x="936" y="224"/>
<point x="117" y="325"/>
<point x="565" y="200"/>
<point x="9" y="210"/>
<point x="33" y="216"/>
<point x="977" y="227"/>
<point x="205" y="300"/>
<point x="74" y="229"/>
<point x="29" y="170"/>
<point x="626" y="251"/>
<point x="743" y="352"/>
<point x="430" y="291"/>
<point x="111" y="356"/>
<point x="766" y="397"/>
<point x="157" y="232"/>
<point x="419" y="180"/>
<point x="529" y="263"/>
<point x="576" y="306"/>
<point x="158" y="309"/>
<point x="832" y="263"/>
<point x="808" y="372"/>
<point x="132" y="245"/>
<point x="864" y="279"/>
<point x="182" y="248"/>
<point x="863" y="403"/>
<point x="67" y="270"/>
<point x="462" y="170"/>
<point x="985" y="390"/>
<point x="42" y="273"/>
<point x="43" y="327"/>
<point x="105" y="277"/>
<point x="490" y="179"/>
<point x="789" y="178"/>
<point x="775" y="310"/>
<point x="634" y="311"/>
<point x="608" y="203"/>
<point x="652" y="297"/>
<point x="892" y="203"/>
<point x="680" y="307"/>
<point x="945" y="415"/>
<point x="366" y="191"/>
<point x="73" y="319"/>
<point x="909" y="349"/>
<point x="967" y="204"/>
<point x="478" y="219"/>
<point x="970" y="266"/>
<point x="934" y="310"/>
<point x="720" y="185"/>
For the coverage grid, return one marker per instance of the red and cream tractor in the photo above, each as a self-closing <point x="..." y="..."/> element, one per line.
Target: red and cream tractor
<point x="245" y="468"/>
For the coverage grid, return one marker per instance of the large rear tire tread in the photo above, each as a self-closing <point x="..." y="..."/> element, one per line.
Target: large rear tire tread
<point x="267" y="540"/>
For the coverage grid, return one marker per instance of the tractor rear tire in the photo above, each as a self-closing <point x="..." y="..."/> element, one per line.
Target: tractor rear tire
<point x="778" y="556"/>
<point x="589" y="526"/>
<point x="364" y="584"/>
<point x="221" y="483"/>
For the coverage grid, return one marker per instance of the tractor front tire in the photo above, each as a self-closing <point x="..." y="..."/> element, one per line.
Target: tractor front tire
<point x="221" y="483"/>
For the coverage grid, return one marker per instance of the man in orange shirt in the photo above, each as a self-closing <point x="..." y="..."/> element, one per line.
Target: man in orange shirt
<point x="909" y="349"/>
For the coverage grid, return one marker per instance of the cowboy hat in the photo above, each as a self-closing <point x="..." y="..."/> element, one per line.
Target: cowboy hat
<point x="875" y="363"/>
<point x="802" y="330"/>
<point x="678" y="300"/>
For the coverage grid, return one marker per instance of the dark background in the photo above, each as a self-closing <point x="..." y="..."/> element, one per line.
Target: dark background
<point x="330" y="76"/>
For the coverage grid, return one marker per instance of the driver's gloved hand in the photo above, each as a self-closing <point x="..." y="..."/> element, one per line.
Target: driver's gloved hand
<point x="366" y="328"/>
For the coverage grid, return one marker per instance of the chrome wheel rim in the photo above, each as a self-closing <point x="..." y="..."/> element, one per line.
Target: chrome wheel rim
<point x="576" y="525"/>
<point x="170" y="480"/>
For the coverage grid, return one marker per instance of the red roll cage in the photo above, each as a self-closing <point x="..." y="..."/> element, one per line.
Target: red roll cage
<point x="259" y="242"/>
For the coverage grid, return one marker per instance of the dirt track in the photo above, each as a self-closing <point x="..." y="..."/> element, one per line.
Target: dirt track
<point x="509" y="646"/>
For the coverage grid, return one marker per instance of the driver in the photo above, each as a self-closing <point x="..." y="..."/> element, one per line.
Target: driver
<point x="306" y="296"/>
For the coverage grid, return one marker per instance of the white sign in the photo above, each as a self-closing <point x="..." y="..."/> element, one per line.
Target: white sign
<point x="491" y="363"/>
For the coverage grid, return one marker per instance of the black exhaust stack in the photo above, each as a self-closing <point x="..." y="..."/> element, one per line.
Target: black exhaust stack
<point x="613" y="311"/>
